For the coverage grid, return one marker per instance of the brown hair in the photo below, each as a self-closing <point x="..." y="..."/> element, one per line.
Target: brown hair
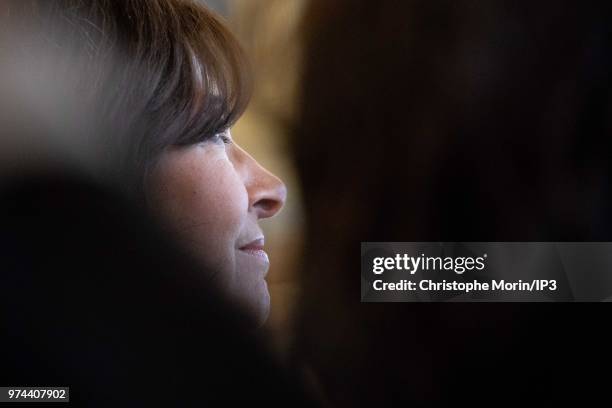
<point x="155" y="73"/>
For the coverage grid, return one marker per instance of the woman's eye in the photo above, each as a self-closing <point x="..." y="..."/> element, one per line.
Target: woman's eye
<point x="222" y="138"/>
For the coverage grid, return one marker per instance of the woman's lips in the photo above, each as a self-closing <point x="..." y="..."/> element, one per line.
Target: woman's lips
<point x="255" y="248"/>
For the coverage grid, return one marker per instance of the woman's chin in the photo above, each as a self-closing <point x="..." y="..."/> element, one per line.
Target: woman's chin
<point x="253" y="299"/>
<point x="259" y="304"/>
<point x="252" y="288"/>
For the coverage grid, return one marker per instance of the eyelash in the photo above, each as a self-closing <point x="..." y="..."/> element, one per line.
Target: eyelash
<point x="223" y="137"/>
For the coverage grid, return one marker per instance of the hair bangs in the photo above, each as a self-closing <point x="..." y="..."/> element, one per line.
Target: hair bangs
<point x="216" y="77"/>
<point x="147" y="74"/>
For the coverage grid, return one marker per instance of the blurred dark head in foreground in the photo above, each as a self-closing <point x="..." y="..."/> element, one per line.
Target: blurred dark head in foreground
<point x="450" y="121"/>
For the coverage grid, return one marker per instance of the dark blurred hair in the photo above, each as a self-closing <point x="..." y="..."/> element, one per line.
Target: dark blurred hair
<point x="450" y="121"/>
<point x="152" y="73"/>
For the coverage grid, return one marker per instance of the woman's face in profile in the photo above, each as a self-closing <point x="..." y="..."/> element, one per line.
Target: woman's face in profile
<point x="213" y="194"/>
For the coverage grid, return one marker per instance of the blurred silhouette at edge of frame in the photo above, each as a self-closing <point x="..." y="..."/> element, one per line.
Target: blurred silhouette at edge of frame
<point x="451" y="121"/>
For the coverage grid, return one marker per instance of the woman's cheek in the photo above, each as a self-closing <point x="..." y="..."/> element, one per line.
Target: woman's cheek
<point x="198" y="193"/>
<point x="219" y="208"/>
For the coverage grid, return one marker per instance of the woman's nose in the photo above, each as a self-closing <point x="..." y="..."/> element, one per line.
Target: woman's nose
<point x="267" y="193"/>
